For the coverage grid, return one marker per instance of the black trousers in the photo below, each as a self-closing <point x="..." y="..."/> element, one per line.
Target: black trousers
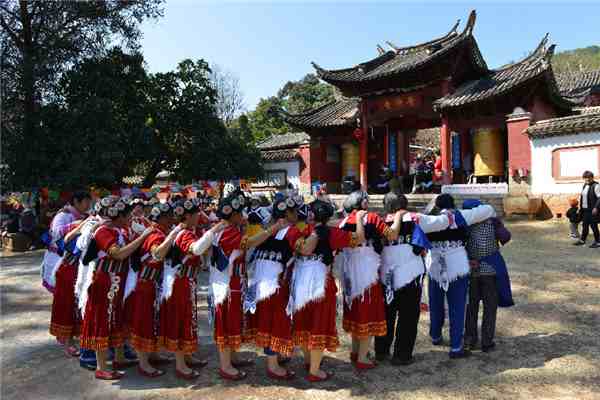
<point x="482" y="288"/>
<point x="402" y="316"/>
<point x="589" y="221"/>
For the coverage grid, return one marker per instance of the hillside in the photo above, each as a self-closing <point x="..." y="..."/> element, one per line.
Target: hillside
<point x="582" y="59"/>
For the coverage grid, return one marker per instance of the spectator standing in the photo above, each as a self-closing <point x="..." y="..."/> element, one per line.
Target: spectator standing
<point x="590" y="210"/>
<point x="574" y="217"/>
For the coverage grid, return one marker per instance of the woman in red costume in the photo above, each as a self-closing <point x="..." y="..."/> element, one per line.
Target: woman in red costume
<point x="313" y="288"/>
<point x="178" y="314"/>
<point x="269" y="289"/>
<point x="364" y="303"/>
<point x="65" y="320"/>
<point x="102" y="319"/>
<point x="226" y="273"/>
<point x="145" y="299"/>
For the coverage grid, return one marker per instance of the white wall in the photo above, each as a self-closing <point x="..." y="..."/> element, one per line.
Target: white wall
<point x="541" y="162"/>
<point x="292" y="168"/>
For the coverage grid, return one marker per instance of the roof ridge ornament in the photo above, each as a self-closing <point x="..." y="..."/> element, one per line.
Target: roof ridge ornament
<point x="393" y="46"/>
<point x="470" y="23"/>
<point x="454" y="29"/>
<point x="380" y="49"/>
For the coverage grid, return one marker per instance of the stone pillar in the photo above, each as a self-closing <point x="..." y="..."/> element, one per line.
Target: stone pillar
<point x="519" y="151"/>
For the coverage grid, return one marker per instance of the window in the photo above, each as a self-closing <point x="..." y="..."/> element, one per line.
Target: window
<point x="274" y="178"/>
<point x="569" y="163"/>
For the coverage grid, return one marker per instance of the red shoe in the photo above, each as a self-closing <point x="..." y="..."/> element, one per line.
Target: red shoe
<point x="242" y="363"/>
<point x="237" y="377"/>
<point x="289" y="375"/>
<point x="71" y="351"/>
<point x="364" y="366"/>
<point x="109" y="375"/>
<point x="155" y="374"/>
<point x="315" y="378"/>
<point x="124" y="364"/>
<point x="197" y="364"/>
<point x="188" y="377"/>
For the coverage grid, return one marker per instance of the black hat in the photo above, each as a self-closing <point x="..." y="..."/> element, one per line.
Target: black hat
<point x="282" y="205"/>
<point x="187" y="206"/>
<point x="229" y="205"/>
<point x="322" y="210"/>
<point x="112" y="207"/>
<point x="160" y="210"/>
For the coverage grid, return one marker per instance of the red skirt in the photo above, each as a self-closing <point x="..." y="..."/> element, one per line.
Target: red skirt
<point x="178" y="329"/>
<point x="228" y="320"/>
<point x="366" y="315"/>
<point x="270" y="325"/>
<point x="65" y="321"/>
<point x="101" y="330"/>
<point x="143" y="328"/>
<point x="315" y="324"/>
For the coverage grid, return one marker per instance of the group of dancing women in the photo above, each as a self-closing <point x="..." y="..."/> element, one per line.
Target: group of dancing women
<point x="124" y="276"/>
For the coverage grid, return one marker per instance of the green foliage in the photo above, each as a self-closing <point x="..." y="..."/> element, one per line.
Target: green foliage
<point x="582" y="59"/>
<point x="265" y="121"/>
<point x="295" y="97"/>
<point x="39" y="41"/>
<point x="305" y="94"/>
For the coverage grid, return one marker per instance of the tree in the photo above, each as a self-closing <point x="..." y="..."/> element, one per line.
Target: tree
<point x="196" y="144"/>
<point x="230" y="99"/>
<point x="305" y="94"/>
<point x="577" y="60"/>
<point x="265" y="121"/>
<point x="105" y="111"/>
<point x="40" y="40"/>
<point x="295" y="97"/>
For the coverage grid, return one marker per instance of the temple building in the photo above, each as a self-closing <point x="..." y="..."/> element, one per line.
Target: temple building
<point x="486" y="118"/>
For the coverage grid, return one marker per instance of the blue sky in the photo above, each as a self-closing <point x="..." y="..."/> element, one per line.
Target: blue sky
<point x="268" y="43"/>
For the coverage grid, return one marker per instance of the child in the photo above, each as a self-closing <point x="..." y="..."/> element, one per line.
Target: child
<point x="574" y="218"/>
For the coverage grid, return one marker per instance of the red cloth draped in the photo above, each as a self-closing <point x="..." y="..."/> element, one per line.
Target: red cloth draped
<point x="229" y="318"/>
<point x="178" y="330"/>
<point x="65" y="321"/>
<point x="99" y="332"/>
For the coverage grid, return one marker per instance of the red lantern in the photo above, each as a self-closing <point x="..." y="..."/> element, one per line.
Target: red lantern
<point x="358" y="134"/>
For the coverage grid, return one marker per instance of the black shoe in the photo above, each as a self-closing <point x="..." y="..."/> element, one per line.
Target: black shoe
<point x="439" y="342"/>
<point x="381" y="356"/>
<point x="579" y="243"/>
<point x="454" y="355"/>
<point x="488" y="348"/>
<point x="595" y="245"/>
<point x="397" y="361"/>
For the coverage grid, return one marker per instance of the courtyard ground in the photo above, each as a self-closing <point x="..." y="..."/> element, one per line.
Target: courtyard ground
<point x="548" y="344"/>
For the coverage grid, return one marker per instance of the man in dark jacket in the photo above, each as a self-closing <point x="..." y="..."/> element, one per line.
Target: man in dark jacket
<point x="590" y="209"/>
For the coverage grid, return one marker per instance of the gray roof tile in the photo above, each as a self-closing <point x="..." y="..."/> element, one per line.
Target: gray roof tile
<point x="587" y="121"/>
<point x="281" y="141"/>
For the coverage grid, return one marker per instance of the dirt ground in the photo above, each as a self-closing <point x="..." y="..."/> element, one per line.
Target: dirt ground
<point x="548" y="344"/>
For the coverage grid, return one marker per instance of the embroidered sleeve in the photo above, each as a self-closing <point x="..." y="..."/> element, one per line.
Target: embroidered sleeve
<point x="338" y="239"/>
<point x="185" y="240"/>
<point x="244" y="243"/>
<point x="379" y="224"/>
<point x="106" y="239"/>
<point x="231" y="239"/>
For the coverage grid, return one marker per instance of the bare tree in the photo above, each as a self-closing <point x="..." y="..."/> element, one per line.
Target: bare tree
<point x="230" y="99"/>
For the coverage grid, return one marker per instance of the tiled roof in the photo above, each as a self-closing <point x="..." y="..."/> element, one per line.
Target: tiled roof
<point x="576" y="86"/>
<point x="281" y="141"/>
<point x="502" y="81"/>
<point x="279" y="155"/>
<point x="405" y="59"/>
<point x="342" y="112"/>
<point x="585" y="122"/>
